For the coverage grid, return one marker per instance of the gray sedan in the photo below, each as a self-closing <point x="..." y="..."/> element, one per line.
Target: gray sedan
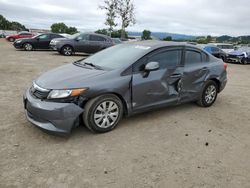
<point x="122" y="81"/>
<point x="81" y="42"/>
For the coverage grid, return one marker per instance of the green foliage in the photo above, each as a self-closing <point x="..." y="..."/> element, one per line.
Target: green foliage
<point x="7" y="25"/>
<point x="110" y="7"/>
<point x="114" y="34"/>
<point x="62" y="28"/>
<point x="169" y="38"/>
<point x="102" y="31"/>
<point x="122" y="9"/>
<point x="209" y="39"/>
<point x="146" y="35"/>
<point x="126" y="12"/>
<point x="119" y="34"/>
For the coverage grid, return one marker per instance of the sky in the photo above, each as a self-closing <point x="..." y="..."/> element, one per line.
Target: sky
<point x="191" y="17"/>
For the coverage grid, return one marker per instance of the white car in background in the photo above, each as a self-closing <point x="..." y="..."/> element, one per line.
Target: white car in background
<point x="226" y="47"/>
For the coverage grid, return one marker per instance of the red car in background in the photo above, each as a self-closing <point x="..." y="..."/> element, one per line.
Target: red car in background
<point x="20" y="35"/>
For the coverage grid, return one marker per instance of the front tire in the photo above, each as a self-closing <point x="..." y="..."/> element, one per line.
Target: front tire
<point x="28" y="47"/>
<point x="209" y="94"/>
<point x="103" y="113"/>
<point x="67" y="50"/>
<point x="244" y="61"/>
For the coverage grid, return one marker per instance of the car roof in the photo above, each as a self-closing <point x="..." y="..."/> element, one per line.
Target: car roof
<point x="97" y="34"/>
<point x="154" y="44"/>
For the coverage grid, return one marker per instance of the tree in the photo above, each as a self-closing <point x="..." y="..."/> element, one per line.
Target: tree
<point x="110" y="6"/>
<point x="72" y="30"/>
<point x="209" y="39"/>
<point x="7" y="25"/>
<point x="102" y="31"/>
<point x="146" y="35"/>
<point x="169" y="38"/>
<point x="62" y="28"/>
<point x="126" y="11"/>
<point x="59" y="28"/>
<point x="114" y="33"/>
<point x="118" y="34"/>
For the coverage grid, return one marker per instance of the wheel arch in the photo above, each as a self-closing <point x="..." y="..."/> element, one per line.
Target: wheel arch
<point x="67" y="45"/>
<point x="217" y="82"/>
<point x="125" y="105"/>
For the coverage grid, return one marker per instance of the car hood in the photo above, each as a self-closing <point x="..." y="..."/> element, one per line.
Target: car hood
<point x="236" y="53"/>
<point x="25" y="40"/>
<point x="68" y="76"/>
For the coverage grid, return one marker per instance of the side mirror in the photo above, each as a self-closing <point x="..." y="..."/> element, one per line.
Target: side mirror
<point x="152" y="66"/>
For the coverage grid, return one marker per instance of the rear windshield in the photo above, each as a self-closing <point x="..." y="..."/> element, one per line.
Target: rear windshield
<point x="118" y="56"/>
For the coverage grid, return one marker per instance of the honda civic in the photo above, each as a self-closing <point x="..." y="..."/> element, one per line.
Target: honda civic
<point x="123" y="80"/>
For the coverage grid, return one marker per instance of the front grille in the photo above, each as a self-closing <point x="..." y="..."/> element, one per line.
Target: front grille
<point x="39" y="94"/>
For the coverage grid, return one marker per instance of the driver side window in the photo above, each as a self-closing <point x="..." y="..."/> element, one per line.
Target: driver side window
<point x="166" y="59"/>
<point x="82" y="37"/>
<point x="43" y="37"/>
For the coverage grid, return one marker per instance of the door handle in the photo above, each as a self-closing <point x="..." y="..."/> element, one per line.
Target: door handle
<point x="176" y="76"/>
<point x="204" y="69"/>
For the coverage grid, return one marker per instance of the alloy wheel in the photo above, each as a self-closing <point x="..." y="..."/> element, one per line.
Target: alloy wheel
<point x="210" y="94"/>
<point x="28" y="47"/>
<point x="67" y="50"/>
<point x="106" y="114"/>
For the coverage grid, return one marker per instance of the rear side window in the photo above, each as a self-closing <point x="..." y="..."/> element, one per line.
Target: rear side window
<point x="56" y="36"/>
<point x="192" y="57"/>
<point x="167" y="59"/>
<point x="96" y="38"/>
<point x="205" y="57"/>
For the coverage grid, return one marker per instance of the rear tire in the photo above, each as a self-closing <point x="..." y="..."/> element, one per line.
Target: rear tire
<point x="209" y="94"/>
<point x="11" y="39"/>
<point x="103" y="113"/>
<point x="67" y="50"/>
<point x="28" y="47"/>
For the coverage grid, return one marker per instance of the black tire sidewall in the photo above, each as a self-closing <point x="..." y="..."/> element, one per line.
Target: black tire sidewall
<point x="11" y="39"/>
<point x="90" y="110"/>
<point x="203" y="100"/>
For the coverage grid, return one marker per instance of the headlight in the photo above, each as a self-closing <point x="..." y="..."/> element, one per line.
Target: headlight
<point x="59" y="94"/>
<point x="18" y="41"/>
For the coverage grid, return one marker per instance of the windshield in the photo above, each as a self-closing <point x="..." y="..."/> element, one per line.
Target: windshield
<point x="73" y="36"/>
<point x="117" y="56"/>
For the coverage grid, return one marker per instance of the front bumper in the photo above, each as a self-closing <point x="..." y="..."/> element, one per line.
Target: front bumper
<point x="234" y="60"/>
<point x="53" y="47"/>
<point x="52" y="117"/>
<point x="17" y="45"/>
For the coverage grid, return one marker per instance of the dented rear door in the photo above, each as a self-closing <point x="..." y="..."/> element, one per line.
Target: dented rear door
<point x="196" y="70"/>
<point x="159" y="87"/>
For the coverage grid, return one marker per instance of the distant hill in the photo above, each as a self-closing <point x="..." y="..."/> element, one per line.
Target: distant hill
<point x="240" y="39"/>
<point x="162" y="35"/>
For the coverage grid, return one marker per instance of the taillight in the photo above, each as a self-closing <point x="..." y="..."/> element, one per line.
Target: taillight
<point x="225" y="66"/>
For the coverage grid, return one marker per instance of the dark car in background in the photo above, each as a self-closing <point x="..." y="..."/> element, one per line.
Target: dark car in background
<point x="215" y="51"/>
<point x="81" y="42"/>
<point x="241" y="56"/>
<point x="20" y="35"/>
<point x="41" y="41"/>
<point x="123" y="80"/>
